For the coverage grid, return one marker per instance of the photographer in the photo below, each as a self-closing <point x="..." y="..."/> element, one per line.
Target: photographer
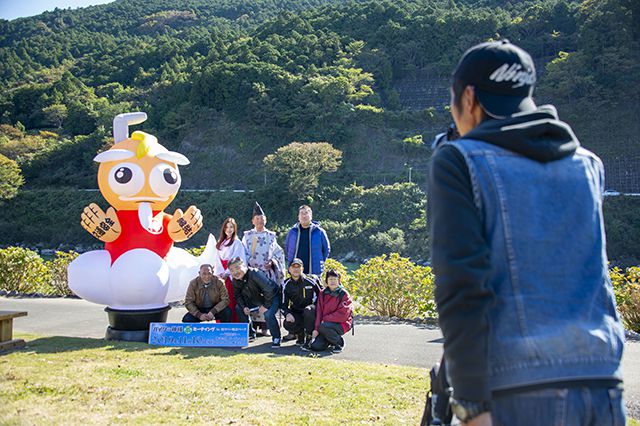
<point x="531" y="333"/>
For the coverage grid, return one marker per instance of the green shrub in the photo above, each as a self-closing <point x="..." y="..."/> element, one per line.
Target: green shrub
<point x="389" y="241"/>
<point x="622" y="224"/>
<point x="413" y="142"/>
<point x="22" y="270"/>
<point x="370" y="115"/>
<point x="626" y="286"/>
<point x="345" y="278"/>
<point x="10" y="178"/>
<point x="345" y="236"/>
<point x="394" y="286"/>
<point x="376" y="220"/>
<point x="59" y="283"/>
<point x="195" y="251"/>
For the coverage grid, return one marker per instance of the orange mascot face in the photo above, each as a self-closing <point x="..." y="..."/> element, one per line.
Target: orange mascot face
<point x="139" y="170"/>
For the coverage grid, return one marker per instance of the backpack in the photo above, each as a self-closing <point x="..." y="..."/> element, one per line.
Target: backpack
<point x="353" y="320"/>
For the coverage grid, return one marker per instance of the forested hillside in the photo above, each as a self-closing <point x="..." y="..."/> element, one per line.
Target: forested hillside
<point x="229" y="82"/>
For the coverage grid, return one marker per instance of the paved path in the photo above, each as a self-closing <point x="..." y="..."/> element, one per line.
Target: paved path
<point x="402" y="344"/>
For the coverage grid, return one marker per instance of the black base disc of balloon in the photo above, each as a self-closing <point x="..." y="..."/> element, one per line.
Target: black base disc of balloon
<point x="135" y="320"/>
<point x="127" y="335"/>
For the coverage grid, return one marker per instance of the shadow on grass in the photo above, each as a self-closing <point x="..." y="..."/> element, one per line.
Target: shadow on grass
<point x="62" y="344"/>
<point x="262" y="348"/>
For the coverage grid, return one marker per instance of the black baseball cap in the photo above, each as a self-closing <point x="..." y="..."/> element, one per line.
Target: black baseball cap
<point x="503" y="76"/>
<point x="296" y="261"/>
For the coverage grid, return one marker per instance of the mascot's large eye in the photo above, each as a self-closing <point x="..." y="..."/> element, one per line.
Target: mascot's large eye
<point x="126" y="179"/>
<point x="164" y="180"/>
<point x="123" y="175"/>
<point x="170" y="176"/>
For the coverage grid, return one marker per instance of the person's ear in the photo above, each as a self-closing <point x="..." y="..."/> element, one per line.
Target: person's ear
<point x="475" y="108"/>
<point x="468" y="99"/>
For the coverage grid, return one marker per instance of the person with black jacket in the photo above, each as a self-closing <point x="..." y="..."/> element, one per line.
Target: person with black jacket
<point x="299" y="296"/>
<point x="253" y="289"/>
<point x="526" y="308"/>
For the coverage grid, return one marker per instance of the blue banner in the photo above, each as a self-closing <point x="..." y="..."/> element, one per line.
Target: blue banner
<point x="199" y="334"/>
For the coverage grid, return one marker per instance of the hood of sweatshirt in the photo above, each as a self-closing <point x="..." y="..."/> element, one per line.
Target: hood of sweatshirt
<point x="538" y="135"/>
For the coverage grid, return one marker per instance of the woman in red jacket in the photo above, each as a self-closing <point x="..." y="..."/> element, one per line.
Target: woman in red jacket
<point x="334" y="315"/>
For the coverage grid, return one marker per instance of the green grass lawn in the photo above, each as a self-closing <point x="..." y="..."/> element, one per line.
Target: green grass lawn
<point x="63" y="380"/>
<point x="66" y="380"/>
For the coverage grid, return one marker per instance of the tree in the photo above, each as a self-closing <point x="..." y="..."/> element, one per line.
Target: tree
<point x="302" y="164"/>
<point x="55" y="114"/>
<point x="81" y="118"/>
<point x="10" y="178"/>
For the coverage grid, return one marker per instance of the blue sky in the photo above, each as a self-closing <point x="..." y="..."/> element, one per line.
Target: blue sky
<point x="11" y="9"/>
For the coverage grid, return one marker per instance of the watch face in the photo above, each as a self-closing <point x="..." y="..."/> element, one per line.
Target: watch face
<point x="467" y="410"/>
<point x="460" y="412"/>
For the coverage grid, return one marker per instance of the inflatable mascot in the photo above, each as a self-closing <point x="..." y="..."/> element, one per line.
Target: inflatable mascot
<point x="139" y="268"/>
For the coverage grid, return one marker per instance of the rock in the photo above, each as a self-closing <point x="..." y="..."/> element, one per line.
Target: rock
<point x="632" y="335"/>
<point x="350" y="257"/>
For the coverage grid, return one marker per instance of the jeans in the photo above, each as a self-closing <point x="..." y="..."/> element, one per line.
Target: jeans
<point x="224" y="316"/>
<point x="269" y="316"/>
<point x="304" y="321"/>
<point x="573" y="406"/>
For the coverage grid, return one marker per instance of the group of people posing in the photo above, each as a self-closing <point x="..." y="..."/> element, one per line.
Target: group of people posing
<point x="247" y="284"/>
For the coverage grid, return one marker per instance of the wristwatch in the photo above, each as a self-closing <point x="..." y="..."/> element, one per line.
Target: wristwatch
<point x="468" y="410"/>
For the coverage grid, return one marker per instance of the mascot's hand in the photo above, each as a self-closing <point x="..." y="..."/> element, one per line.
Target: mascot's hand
<point x="103" y="226"/>
<point x="182" y="226"/>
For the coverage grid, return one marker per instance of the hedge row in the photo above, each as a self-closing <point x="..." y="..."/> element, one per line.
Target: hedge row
<point x="387" y="285"/>
<point x="24" y="271"/>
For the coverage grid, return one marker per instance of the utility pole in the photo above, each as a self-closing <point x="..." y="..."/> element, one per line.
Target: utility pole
<point x="409" y="166"/>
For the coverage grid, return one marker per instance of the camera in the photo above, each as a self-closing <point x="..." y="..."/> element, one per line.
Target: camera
<point x="450" y="135"/>
<point x="437" y="410"/>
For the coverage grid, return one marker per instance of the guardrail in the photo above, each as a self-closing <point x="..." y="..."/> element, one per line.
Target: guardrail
<point x="610" y="193"/>
<point x="186" y="190"/>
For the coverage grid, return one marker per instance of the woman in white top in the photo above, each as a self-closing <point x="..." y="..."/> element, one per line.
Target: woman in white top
<point x="228" y="247"/>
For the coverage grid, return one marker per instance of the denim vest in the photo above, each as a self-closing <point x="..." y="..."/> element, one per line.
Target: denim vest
<point x="554" y="317"/>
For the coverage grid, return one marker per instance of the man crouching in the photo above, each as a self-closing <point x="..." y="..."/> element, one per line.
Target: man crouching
<point x="207" y="298"/>
<point x="299" y="297"/>
<point x="254" y="290"/>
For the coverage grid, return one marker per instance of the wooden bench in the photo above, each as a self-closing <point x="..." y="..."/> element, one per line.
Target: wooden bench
<point x="6" y="330"/>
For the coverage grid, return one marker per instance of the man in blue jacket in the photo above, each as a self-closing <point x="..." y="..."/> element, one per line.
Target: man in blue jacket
<point x="525" y="303"/>
<point x="307" y="241"/>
